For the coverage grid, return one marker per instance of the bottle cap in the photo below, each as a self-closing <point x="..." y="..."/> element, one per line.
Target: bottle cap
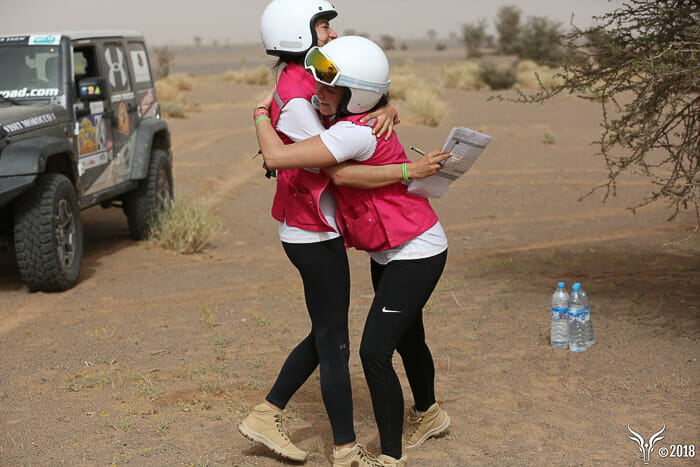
<point x="561" y="285"/>
<point x="576" y="286"/>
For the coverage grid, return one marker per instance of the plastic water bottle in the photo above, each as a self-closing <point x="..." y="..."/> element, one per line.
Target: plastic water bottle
<point x="559" y="337"/>
<point x="577" y="321"/>
<point x="590" y="337"/>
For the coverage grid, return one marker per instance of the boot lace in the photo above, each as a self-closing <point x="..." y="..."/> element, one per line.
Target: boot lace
<point x="281" y="424"/>
<point x="413" y="422"/>
<point x="367" y="458"/>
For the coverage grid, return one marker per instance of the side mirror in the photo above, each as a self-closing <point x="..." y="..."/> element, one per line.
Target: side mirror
<point x="92" y="89"/>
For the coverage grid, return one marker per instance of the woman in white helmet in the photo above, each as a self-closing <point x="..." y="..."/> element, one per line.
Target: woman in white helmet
<point x="404" y="238"/>
<point x="309" y="233"/>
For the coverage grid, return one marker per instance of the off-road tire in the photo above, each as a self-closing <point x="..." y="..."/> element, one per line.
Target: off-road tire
<point x="152" y="196"/>
<point x="48" y="234"/>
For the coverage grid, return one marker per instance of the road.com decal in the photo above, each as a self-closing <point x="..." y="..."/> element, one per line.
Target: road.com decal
<point x="25" y="92"/>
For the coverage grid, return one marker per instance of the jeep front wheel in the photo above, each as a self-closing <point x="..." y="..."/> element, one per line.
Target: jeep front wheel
<point x="48" y="234"/>
<point x="152" y="196"/>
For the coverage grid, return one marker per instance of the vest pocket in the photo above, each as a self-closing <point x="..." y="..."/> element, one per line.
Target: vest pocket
<point x="301" y="209"/>
<point x="365" y="229"/>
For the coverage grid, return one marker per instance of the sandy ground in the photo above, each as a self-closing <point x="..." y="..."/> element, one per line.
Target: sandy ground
<point x="124" y="368"/>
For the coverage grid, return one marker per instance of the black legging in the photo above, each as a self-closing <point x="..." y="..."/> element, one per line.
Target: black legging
<point x="326" y="276"/>
<point x="395" y="322"/>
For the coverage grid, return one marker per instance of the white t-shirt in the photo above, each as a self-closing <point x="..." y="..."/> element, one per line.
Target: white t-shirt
<point x="299" y="121"/>
<point x="347" y="141"/>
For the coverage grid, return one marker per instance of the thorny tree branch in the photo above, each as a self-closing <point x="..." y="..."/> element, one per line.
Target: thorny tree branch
<point x="642" y="63"/>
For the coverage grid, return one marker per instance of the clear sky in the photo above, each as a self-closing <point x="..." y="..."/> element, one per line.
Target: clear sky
<point x="237" y="21"/>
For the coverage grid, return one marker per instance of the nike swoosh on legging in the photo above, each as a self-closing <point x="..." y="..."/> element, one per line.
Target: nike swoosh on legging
<point x="384" y="310"/>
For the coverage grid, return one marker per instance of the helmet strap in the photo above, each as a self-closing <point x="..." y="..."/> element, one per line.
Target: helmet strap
<point x="343" y="106"/>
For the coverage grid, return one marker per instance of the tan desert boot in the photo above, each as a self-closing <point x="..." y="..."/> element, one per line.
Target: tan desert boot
<point x="264" y="425"/>
<point x="385" y="460"/>
<point x="356" y="456"/>
<point x="418" y="428"/>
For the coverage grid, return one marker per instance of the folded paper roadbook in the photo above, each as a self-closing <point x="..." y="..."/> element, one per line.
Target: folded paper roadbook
<point x="465" y="146"/>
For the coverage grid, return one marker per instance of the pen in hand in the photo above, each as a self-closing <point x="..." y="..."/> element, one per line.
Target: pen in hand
<point x="419" y="151"/>
<point x="422" y="153"/>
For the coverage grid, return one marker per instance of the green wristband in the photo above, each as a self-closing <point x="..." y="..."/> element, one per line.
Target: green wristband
<point x="263" y="117"/>
<point x="405" y="174"/>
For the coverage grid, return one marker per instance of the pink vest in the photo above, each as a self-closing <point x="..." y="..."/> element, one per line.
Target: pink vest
<point x="298" y="190"/>
<point x="381" y="218"/>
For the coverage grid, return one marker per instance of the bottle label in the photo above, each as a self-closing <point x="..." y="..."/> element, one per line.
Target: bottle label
<point x="579" y="315"/>
<point x="559" y="312"/>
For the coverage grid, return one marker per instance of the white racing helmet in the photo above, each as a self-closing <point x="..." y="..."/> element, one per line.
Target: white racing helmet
<point x="288" y="26"/>
<point x="353" y="62"/>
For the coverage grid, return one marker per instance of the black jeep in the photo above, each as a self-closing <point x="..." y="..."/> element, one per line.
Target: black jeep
<point x="79" y="125"/>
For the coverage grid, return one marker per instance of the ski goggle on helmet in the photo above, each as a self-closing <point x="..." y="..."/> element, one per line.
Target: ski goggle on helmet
<point x="353" y="62"/>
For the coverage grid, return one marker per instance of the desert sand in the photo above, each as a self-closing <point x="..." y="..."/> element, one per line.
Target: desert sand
<point x="126" y="367"/>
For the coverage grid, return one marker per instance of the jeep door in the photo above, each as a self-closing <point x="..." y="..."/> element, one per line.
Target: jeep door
<point x="92" y="120"/>
<point x="123" y="108"/>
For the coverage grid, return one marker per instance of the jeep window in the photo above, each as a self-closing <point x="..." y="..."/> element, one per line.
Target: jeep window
<point x="84" y="63"/>
<point x="29" y="71"/>
<point x="117" y="69"/>
<point x="140" y="65"/>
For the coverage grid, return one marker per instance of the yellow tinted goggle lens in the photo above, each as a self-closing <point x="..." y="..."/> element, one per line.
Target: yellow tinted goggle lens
<point x="323" y="69"/>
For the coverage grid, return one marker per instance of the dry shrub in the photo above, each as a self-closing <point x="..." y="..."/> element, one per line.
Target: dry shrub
<point x="550" y="79"/>
<point x="549" y="138"/>
<point x="186" y="228"/>
<point x="525" y="66"/>
<point x="425" y="108"/>
<point x="261" y="75"/>
<point x="402" y="84"/>
<point x="173" y="103"/>
<point x="172" y="110"/>
<point x="527" y="72"/>
<point x="497" y="75"/>
<point x="423" y="104"/>
<point x="465" y="76"/>
<point x="167" y="91"/>
<point x="181" y="81"/>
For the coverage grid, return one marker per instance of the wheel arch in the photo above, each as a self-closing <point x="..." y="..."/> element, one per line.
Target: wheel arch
<point x="39" y="155"/>
<point x="152" y="134"/>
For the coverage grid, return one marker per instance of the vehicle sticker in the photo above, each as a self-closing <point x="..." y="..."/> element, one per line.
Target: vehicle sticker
<point x="153" y="112"/>
<point x="27" y="92"/>
<point x="100" y="127"/>
<point x="146" y="102"/>
<point x="44" y="40"/>
<point x="87" y="138"/>
<point x="123" y="97"/>
<point x="117" y="72"/>
<point x="30" y="122"/>
<point x="13" y="38"/>
<point x="90" y="91"/>
<point x="97" y="107"/>
<point x="93" y="160"/>
<point x="139" y="62"/>
<point x="123" y="119"/>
